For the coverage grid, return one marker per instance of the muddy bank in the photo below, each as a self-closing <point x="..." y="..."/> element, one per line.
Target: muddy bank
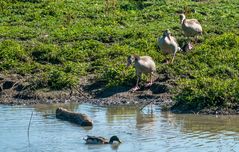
<point x="16" y="90"/>
<point x="72" y="96"/>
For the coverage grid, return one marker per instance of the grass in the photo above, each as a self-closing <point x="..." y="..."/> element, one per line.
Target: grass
<point x="59" y="41"/>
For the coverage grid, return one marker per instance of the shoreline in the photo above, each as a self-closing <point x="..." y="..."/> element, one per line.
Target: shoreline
<point x="126" y="98"/>
<point x="14" y="93"/>
<point x="166" y="105"/>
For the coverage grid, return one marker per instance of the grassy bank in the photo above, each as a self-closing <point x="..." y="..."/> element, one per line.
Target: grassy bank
<point x="57" y="42"/>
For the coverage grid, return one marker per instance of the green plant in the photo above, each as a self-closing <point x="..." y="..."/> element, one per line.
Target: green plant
<point x="56" y="42"/>
<point x="58" y="80"/>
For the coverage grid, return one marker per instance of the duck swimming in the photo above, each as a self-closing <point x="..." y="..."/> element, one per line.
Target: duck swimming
<point x="100" y="140"/>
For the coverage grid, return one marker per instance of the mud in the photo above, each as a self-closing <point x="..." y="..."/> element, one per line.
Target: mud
<point x="16" y="90"/>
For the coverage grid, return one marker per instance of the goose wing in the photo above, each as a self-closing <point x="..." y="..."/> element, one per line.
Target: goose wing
<point x="193" y="26"/>
<point x="173" y="39"/>
<point x="192" y="21"/>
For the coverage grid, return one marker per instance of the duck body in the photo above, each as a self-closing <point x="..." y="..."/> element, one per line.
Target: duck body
<point x="96" y="140"/>
<point x="100" y="140"/>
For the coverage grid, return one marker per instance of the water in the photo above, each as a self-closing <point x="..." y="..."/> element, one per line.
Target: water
<point x="146" y="131"/>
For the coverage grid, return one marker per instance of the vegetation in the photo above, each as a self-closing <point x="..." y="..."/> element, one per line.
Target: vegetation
<point x="59" y="41"/>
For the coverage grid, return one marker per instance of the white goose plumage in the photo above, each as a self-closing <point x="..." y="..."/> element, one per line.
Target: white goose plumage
<point x="142" y="64"/>
<point x="191" y="27"/>
<point x="168" y="44"/>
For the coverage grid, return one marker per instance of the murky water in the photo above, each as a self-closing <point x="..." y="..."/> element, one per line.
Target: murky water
<point x="144" y="131"/>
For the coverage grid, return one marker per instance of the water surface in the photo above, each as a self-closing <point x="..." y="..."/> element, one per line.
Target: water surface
<point x="140" y="131"/>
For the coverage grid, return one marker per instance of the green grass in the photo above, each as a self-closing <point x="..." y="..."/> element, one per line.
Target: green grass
<point x="212" y="71"/>
<point x="59" y="41"/>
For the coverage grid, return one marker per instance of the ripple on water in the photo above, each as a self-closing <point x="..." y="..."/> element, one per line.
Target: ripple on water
<point x="139" y="131"/>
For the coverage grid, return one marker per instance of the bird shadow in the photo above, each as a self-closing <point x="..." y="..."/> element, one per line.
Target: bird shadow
<point x="99" y="89"/>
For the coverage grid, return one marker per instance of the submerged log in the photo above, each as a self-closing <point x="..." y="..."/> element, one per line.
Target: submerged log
<point x="78" y="118"/>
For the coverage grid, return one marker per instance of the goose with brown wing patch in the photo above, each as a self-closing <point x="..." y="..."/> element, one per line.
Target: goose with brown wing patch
<point x="142" y="64"/>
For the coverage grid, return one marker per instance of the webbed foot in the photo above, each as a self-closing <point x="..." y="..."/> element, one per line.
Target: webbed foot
<point x="135" y="89"/>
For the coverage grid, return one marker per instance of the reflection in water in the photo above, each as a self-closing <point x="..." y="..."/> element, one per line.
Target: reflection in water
<point x="115" y="113"/>
<point x="145" y="118"/>
<point x="139" y="130"/>
<point x="115" y="146"/>
<point x="49" y="109"/>
<point x="207" y="123"/>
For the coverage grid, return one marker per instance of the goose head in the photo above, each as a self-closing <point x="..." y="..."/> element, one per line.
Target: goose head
<point x="131" y="59"/>
<point x="182" y="18"/>
<point x="166" y="33"/>
<point x="187" y="47"/>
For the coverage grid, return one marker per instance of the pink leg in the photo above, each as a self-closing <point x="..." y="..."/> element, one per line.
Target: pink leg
<point x="174" y="54"/>
<point x="150" y="82"/>
<point x="196" y="40"/>
<point x="137" y="85"/>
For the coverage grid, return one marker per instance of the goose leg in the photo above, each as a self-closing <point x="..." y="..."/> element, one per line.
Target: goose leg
<point x="174" y="54"/>
<point x="150" y="82"/>
<point x="196" y="40"/>
<point x="167" y="60"/>
<point x="188" y="39"/>
<point x="137" y="84"/>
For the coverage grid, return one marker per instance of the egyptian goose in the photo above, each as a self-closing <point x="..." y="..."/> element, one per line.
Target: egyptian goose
<point x="168" y="44"/>
<point x="191" y="27"/>
<point x="142" y="64"/>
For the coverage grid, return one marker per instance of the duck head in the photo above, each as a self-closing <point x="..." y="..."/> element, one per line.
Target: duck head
<point x="114" y="138"/>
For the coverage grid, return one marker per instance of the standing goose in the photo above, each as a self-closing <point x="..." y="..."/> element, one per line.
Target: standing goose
<point x="142" y="64"/>
<point x="168" y="44"/>
<point x="191" y="27"/>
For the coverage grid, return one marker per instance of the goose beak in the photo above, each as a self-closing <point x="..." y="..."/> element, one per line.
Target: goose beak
<point x="128" y="65"/>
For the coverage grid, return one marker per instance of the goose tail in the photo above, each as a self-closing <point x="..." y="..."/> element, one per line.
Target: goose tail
<point x="179" y="49"/>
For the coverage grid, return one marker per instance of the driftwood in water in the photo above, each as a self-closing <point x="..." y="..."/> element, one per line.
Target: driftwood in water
<point x="74" y="117"/>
